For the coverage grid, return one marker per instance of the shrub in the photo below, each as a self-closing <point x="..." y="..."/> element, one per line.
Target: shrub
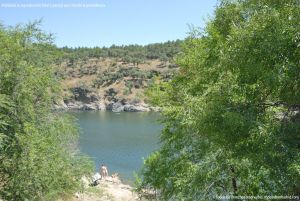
<point x="38" y="157"/>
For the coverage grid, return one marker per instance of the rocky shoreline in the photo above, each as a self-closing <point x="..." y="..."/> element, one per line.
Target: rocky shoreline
<point x="85" y="100"/>
<point x="110" y="188"/>
<point x="102" y="106"/>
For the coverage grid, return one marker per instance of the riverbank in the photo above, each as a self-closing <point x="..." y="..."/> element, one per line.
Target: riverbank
<point x="105" y="106"/>
<point x="108" y="189"/>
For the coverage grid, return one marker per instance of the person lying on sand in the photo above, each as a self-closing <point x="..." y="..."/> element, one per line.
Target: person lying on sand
<point x="115" y="175"/>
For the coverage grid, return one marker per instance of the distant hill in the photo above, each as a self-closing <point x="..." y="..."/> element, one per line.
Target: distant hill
<point x="114" y="78"/>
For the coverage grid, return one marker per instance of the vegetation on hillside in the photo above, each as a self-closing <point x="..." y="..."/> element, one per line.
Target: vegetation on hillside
<point x="135" y="54"/>
<point x="127" y="69"/>
<point x="231" y="115"/>
<point x="135" y="76"/>
<point x="38" y="156"/>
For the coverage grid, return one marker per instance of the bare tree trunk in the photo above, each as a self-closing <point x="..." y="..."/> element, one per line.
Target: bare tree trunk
<point x="233" y="180"/>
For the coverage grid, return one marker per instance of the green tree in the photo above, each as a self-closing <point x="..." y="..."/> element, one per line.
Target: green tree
<point x="231" y="115"/>
<point x="38" y="157"/>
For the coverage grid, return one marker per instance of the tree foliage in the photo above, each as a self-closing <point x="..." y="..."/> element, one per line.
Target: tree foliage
<point x="231" y="117"/>
<point x="38" y="160"/>
<point x="135" y="54"/>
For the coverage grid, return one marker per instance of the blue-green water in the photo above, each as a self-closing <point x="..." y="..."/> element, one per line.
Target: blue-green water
<point x="119" y="140"/>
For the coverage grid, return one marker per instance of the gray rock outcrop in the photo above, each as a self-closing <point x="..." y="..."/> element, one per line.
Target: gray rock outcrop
<point x="135" y="108"/>
<point x="84" y="99"/>
<point x="116" y="107"/>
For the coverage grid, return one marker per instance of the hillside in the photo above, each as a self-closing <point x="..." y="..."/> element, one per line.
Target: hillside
<point x="114" y="78"/>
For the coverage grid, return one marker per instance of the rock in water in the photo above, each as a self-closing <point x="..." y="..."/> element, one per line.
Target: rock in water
<point x="117" y="107"/>
<point x="135" y="108"/>
<point x="89" y="107"/>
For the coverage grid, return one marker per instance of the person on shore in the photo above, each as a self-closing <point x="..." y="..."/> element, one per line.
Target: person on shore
<point x="103" y="171"/>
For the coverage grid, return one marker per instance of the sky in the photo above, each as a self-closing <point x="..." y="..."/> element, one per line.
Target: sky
<point x="107" y="22"/>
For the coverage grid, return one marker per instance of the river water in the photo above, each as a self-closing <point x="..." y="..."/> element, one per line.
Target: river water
<point x="118" y="140"/>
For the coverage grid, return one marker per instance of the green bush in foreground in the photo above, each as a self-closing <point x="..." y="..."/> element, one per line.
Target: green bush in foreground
<point x="38" y="158"/>
<point x="232" y="114"/>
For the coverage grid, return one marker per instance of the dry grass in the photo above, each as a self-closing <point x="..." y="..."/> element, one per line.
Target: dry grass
<point x="84" y="73"/>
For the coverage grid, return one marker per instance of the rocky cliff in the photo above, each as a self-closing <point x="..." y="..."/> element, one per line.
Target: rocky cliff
<point x="114" y="78"/>
<point x="110" y="84"/>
